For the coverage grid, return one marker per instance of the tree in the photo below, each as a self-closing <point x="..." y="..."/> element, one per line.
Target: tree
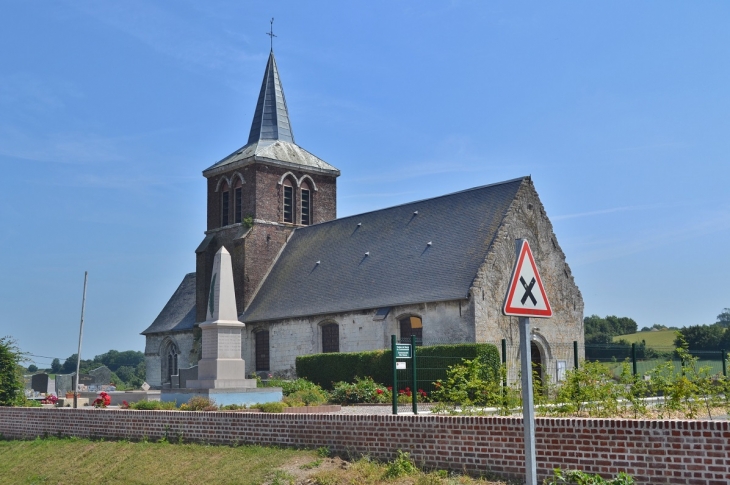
<point x="32" y="368"/>
<point x="69" y="365"/>
<point x="724" y="318"/>
<point x="611" y="325"/>
<point x="702" y="337"/>
<point x="11" y="382"/>
<point x="56" y="365"/>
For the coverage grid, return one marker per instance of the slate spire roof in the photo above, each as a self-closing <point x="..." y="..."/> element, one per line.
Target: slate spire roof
<point x="271" y="139"/>
<point x="271" y="118"/>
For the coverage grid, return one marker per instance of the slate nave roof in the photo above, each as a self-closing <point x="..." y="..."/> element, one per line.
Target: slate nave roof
<point x="423" y="251"/>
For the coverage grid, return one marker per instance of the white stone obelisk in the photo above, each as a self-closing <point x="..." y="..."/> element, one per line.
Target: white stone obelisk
<point x="221" y="366"/>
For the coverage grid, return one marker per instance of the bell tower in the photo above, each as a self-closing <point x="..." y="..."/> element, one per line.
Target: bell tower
<point x="260" y="194"/>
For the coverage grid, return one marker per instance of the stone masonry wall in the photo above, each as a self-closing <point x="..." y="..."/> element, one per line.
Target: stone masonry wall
<point x="526" y="218"/>
<point x="654" y="452"/>
<point x="153" y="361"/>
<point x="442" y="323"/>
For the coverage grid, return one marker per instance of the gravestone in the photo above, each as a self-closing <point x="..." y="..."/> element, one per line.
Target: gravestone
<point x="102" y="376"/>
<point x="39" y="383"/>
<point x="64" y="384"/>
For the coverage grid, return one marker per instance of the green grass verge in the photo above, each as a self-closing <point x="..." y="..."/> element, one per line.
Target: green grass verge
<point x="661" y="340"/>
<point x="62" y="461"/>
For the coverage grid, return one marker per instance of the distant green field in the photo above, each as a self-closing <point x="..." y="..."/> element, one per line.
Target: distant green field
<point x="659" y="340"/>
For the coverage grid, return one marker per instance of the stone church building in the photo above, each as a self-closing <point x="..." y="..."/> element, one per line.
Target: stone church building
<point x="307" y="282"/>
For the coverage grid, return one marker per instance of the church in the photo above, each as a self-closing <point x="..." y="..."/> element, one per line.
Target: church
<point x="307" y="282"/>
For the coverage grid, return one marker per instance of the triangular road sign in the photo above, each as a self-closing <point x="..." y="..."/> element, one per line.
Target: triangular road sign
<point x="526" y="295"/>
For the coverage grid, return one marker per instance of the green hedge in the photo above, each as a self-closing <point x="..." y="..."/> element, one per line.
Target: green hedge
<point x="326" y="369"/>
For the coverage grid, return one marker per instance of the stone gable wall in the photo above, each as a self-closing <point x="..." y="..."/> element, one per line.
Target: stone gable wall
<point x="526" y="218"/>
<point x="654" y="452"/>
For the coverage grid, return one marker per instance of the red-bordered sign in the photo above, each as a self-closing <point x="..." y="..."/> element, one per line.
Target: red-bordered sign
<point x="526" y="295"/>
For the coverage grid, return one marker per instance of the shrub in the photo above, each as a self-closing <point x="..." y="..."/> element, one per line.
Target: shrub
<point x="289" y="387"/>
<point x="199" y="403"/>
<point x="577" y="477"/>
<point x="307" y="397"/>
<point x="145" y="405"/>
<point x="472" y="383"/>
<point x="232" y="407"/>
<point x="271" y="407"/>
<point x="11" y="383"/>
<point x="327" y="369"/>
<point x="364" y="390"/>
<point x="401" y="465"/>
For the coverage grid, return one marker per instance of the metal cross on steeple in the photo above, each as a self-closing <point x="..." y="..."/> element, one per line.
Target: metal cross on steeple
<point x="271" y="34"/>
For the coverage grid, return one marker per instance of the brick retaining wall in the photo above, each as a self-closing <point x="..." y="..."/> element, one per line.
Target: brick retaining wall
<point x="655" y="452"/>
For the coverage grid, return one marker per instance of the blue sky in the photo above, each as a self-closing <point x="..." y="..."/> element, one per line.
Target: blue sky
<point x="620" y="111"/>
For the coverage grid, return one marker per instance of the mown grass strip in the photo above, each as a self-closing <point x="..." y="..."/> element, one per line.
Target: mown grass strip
<point x="62" y="461"/>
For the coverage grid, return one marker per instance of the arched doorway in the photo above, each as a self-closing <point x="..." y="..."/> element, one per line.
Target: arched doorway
<point x="536" y="359"/>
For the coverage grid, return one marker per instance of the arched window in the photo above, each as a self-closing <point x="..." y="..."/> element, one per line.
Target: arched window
<point x="288" y="201"/>
<point x="262" y="350"/>
<point x="411" y="325"/>
<point x="168" y="355"/>
<point x="330" y="337"/>
<point x="306" y="204"/>
<point x="237" y="200"/>
<point x="225" y="201"/>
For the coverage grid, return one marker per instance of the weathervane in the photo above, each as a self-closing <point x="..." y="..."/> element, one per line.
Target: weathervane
<point x="271" y="34"/>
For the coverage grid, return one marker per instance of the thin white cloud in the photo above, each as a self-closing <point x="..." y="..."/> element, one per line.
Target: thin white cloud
<point x="30" y="92"/>
<point x="59" y="147"/>
<point x="599" y="212"/>
<point x="616" y="249"/>
<point x="126" y="182"/>
<point x="169" y="34"/>
<point x="375" y="194"/>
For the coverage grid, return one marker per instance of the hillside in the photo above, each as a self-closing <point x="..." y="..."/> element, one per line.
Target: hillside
<point x="659" y="340"/>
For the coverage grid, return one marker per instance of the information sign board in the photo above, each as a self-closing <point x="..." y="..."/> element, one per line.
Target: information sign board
<point x="402" y="351"/>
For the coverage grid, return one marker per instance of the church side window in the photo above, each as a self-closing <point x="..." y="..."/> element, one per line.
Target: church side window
<point x="237" y="202"/>
<point x="411" y="325"/>
<point x="262" y="350"/>
<point x="288" y="201"/>
<point x="330" y="338"/>
<point x="306" y="205"/>
<point x="225" y="201"/>
<point x="169" y="361"/>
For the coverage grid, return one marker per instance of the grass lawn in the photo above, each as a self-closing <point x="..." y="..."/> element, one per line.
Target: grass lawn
<point x="661" y="340"/>
<point x="69" y="460"/>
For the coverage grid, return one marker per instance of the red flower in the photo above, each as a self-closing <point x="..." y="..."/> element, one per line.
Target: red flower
<point x="390" y="388"/>
<point x="379" y="391"/>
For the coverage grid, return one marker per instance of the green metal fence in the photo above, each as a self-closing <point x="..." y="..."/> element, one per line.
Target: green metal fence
<point x="641" y="360"/>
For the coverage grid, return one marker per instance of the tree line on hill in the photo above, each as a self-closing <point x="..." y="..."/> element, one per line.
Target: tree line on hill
<point x="715" y="336"/>
<point x="601" y="331"/>
<point x="128" y="367"/>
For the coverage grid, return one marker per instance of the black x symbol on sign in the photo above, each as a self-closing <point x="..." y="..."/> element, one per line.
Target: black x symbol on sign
<point x="528" y="291"/>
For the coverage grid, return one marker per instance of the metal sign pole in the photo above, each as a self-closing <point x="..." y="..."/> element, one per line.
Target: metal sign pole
<point x="528" y="411"/>
<point x="414" y="378"/>
<point x="395" y="375"/>
<point x="81" y="334"/>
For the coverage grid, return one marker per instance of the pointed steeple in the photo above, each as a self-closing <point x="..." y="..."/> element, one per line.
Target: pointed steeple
<point x="271" y="118"/>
